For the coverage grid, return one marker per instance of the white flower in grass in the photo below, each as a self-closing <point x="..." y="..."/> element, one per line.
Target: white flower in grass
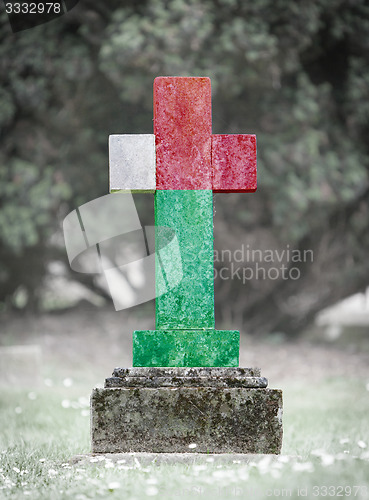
<point x="8" y="483"/>
<point x="124" y="467"/>
<point x="277" y="465"/>
<point x="199" y="467"/>
<point x="341" y="456"/>
<point x="275" y="473"/>
<point x="123" y="461"/>
<point x="114" y="485"/>
<point x="361" y="444"/>
<point x="65" y="403"/>
<point x="243" y="474"/>
<point x="109" y="465"/>
<point x="219" y="474"/>
<point x="67" y="382"/>
<point x="327" y="460"/>
<point x="344" y="440"/>
<point x="264" y="464"/>
<point x="303" y="467"/>
<point x="15" y="469"/>
<point x="52" y="472"/>
<point x="83" y="401"/>
<point x="94" y="459"/>
<point x="42" y="460"/>
<point x="318" y="453"/>
<point x="152" y="491"/>
<point x="192" y="446"/>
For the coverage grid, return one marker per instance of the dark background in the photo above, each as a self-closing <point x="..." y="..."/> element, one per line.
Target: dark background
<point x="294" y="73"/>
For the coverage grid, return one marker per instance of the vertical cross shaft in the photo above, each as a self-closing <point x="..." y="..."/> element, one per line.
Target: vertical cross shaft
<point x="183" y="199"/>
<point x="191" y="163"/>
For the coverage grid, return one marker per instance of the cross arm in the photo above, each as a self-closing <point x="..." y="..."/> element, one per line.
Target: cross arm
<point x="233" y="159"/>
<point x="132" y="163"/>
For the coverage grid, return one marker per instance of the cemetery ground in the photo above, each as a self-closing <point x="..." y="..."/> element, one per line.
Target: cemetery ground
<point x="44" y="425"/>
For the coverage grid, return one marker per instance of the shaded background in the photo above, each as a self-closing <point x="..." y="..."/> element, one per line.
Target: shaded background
<point x="295" y="74"/>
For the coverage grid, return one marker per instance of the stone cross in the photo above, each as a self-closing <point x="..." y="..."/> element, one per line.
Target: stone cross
<point x="183" y="163"/>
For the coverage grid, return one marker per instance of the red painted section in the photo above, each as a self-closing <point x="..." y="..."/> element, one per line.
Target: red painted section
<point x="182" y="128"/>
<point x="234" y="163"/>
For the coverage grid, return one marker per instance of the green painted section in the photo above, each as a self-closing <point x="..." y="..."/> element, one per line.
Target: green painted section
<point x="190" y="305"/>
<point x="186" y="348"/>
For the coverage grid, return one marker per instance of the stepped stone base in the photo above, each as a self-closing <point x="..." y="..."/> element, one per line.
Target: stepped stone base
<point x="166" y="410"/>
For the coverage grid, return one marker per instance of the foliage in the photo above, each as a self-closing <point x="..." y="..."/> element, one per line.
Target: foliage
<point x="296" y="74"/>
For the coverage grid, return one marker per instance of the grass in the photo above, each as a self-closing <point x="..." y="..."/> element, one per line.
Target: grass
<point x="325" y="451"/>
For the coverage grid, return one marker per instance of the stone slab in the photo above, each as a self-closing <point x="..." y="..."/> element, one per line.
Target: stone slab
<point x="190" y="348"/>
<point x="132" y="164"/>
<point x="190" y="214"/>
<point x="234" y="163"/>
<point x="251" y="382"/>
<point x="189" y="377"/>
<point x="169" y="420"/>
<point x="182" y="128"/>
<point x="198" y="371"/>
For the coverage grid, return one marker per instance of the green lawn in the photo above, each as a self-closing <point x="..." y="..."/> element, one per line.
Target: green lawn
<point x="325" y="451"/>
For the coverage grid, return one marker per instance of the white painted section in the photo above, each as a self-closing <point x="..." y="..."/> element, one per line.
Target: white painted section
<point x="132" y="162"/>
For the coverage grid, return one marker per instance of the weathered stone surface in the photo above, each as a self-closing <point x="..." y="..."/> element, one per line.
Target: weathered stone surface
<point x="182" y="128"/>
<point x="217" y="420"/>
<point x="132" y="163"/>
<point x="186" y="347"/>
<point x="191" y="303"/>
<point x="198" y="371"/>
<point x="234" y="163"/>
<point x="251" y="382"/>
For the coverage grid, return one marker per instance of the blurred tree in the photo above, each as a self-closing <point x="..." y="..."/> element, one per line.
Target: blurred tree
<point x="296" y="74"/>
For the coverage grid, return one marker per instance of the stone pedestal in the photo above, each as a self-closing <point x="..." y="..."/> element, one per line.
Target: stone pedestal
<point x="165" y="410"/>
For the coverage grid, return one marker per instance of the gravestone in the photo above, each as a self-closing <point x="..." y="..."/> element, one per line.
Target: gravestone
<point x="185" y="391"/>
